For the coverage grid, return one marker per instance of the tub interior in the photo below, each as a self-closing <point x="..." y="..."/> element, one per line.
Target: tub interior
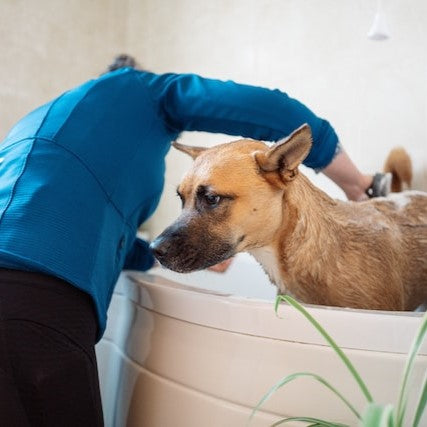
<point x="244" y="278"/>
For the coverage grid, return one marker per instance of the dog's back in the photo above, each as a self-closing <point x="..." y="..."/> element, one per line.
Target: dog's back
<point x="408" y="210"/>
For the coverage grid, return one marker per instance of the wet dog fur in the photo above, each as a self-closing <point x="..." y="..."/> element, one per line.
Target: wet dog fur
<point x="247" y="196"/>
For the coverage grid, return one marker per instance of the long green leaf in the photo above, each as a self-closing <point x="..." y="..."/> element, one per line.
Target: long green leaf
<point x="292" y="377"/>
<point x="376" y="415"/>
<point x="403" y="396"/>
<point x="329" y="340"/>
<point x="316" y="421"/>
<point x="421" y="404"/>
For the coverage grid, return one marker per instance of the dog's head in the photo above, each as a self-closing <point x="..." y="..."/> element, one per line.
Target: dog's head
<point x="232" y="200"/>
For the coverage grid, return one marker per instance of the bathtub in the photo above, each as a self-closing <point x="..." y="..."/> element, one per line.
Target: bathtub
<point x="202" y="349"/>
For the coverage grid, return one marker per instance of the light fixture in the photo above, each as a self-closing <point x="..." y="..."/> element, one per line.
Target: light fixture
<point x="379" y="29"/>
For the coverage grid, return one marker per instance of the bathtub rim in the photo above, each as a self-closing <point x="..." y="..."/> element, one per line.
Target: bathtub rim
<point x="382" y="331"/>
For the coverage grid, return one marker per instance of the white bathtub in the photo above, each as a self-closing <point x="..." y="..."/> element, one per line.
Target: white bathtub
<point x="185" y="351"/>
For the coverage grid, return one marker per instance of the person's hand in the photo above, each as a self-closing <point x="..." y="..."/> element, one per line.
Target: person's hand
<point x="222" y="266"/>
<point x="156" y="264"/>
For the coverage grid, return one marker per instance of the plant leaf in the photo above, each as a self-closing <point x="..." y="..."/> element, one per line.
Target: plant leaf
<point x="292" y="377"/>
<point x="329" y="340"/>
<point x="421" y="404"/>
<point x="316" y="421"/>
<point x="403" y="396"/>
<point x="376" y="415"/>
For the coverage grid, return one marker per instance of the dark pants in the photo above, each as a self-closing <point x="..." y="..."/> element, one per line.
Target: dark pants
<point x="48" y="371"/>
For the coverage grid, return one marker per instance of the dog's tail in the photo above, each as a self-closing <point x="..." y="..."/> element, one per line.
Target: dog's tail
<point x="399" y="164"/>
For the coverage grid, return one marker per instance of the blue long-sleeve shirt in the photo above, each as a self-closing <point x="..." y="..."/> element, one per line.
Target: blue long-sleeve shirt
<point x="81" y="173"/>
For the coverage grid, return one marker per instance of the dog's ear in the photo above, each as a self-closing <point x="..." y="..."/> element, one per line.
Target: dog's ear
<point x="286" y="155"/>
<point x="188" y="149"/>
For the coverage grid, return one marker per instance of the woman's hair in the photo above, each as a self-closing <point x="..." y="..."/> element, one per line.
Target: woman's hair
<point x="121" y="61"/>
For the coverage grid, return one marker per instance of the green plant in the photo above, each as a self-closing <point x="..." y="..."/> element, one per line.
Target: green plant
<point x="374" y="415"/>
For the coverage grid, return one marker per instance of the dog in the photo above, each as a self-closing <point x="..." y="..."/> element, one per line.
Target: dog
<point x="248" y="196"/>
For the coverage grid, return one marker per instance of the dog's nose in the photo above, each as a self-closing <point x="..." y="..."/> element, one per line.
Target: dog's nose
<point x="159" y="247"/>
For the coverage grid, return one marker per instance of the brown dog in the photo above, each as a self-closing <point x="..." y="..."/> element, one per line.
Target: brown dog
<point x="245" y="196"/>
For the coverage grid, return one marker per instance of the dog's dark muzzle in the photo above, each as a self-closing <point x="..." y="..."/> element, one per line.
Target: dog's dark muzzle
<point x="183" y="249"/>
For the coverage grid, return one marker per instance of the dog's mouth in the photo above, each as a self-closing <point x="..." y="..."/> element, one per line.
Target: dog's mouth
<point x="185" y="253"/>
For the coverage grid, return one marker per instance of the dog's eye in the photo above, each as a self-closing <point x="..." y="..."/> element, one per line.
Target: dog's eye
<point x="212" y="199"/>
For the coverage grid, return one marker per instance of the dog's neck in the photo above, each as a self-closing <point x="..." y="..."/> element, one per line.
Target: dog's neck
<point x="307" y="235"/>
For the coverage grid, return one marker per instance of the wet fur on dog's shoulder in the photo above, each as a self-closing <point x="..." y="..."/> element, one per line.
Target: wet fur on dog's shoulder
<point x="246" y="196"/>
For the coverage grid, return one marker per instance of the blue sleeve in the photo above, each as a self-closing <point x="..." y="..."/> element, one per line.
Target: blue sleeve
<point x="139" y="257"/>
<point x="194" y="103"/>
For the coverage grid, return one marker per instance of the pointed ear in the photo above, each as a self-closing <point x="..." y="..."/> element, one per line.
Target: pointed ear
<point x="188" y="149"/>
<point x="287" y="154"/>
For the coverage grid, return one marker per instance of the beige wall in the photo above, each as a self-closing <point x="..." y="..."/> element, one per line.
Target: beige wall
<point x="374" y="93"/>
<point x="48" y="46"/>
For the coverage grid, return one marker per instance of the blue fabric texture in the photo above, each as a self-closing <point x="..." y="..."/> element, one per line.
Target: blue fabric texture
<point x="81" y="173"/>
